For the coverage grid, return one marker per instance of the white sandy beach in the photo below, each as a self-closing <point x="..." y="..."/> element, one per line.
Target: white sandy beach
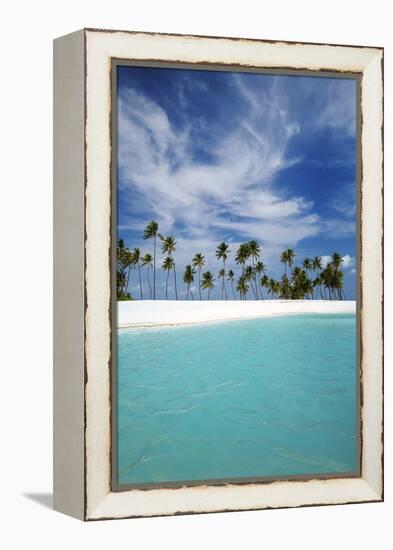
<point x="162" y="312"/>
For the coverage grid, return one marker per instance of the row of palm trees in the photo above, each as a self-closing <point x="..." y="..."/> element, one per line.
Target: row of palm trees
<point x="311" y="280"/>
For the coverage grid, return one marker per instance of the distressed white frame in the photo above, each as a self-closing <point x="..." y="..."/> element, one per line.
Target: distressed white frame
<point x="99" y="48"/>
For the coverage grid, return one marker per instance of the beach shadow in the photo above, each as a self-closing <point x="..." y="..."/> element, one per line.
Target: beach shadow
<point x="45" y="499"/>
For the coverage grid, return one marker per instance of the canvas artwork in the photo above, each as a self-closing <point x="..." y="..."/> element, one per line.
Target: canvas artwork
<point x="236" y="337"/>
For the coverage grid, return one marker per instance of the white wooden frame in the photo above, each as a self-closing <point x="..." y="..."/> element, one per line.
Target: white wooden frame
<point x="82" y="336"/>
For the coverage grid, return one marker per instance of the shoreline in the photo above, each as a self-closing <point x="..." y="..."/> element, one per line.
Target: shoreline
<point x="159" y="313"/>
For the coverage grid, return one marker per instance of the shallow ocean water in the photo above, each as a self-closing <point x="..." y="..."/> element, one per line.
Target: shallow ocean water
<point x="261" y="397"/>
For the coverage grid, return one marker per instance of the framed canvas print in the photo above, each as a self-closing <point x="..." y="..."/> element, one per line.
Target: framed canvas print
<point x="218" y="274"/>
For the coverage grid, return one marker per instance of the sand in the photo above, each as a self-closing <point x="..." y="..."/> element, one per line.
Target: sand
<point x="162" y="312"/>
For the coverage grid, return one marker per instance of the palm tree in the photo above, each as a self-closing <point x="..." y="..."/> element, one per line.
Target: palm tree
<point x="121" y="281"/>
<point x="167" y="265"/>
<point x="188" y="278"/>
<point x="147" y="261"/>
<point x="307" y="287"/>
<point x="151" y="232"/>
<point x="222" y="254"/>
<point x="284" y="260"/>
<point x="242" y="255"/>
<point x="291" y="256"/>
<point x="273" y="287"/>
<point x="307" y="264"/>
<point x="221" y="275"/>
<point x="285" y="288"/>
<point x="287" y="258"/>
<point x="120" y="253"/>
<point x="302" y="286"/>
<point x="339" y="284"/>
<point x="254" y="249"/>
<point x="259" y="269"/>
<point x="168" y="247"/>
<point x="264" y="282"/>
<point x="129" y="264"/>
<point x="317" y="283"/>
<point x="136" y="256"/>
<point x="327" y="276"/>
<point x="337" y="260"/>
<point x="317" y="263"/>
<point x="249" y="275"/>
<point x="242" y="287"/>
<point x="231" y="276"/>
<point x="198" y="262"/>
<point x="123" y="268"/>
<point x="207" y="282"/>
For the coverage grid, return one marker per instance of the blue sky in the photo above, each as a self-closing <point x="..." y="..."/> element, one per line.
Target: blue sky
<point x="223" y="156"/>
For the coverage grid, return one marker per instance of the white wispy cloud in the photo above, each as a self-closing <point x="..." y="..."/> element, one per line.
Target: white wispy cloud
<point x="339" y="227"/>
<point x="232" y="196"/>
<point x="234" y="192"/>
<point x="345" y="203"/>
<point x="339" y="109"/>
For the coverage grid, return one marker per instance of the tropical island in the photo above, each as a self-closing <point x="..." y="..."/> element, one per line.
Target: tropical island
<point x="310" y="280"/>
<point x="236" y="341"/>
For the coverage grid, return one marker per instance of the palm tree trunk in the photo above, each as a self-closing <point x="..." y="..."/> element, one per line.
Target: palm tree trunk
<point x="192" y="296"/>
<point x="199" y="283"/>
<point x="188" y="291"/>
<point x="148" y="282"/>
<point x="208" y="294"/>
<point x="174" y="273"/>
<point x="233" y="292"/>
<point x="154" y="266"/>
<point x="140" y="280"/>
<point x="224" y="284"/>
<point x="166" y="285"/>
<point x="128" y="280"/>
<point x="255" y="278"/>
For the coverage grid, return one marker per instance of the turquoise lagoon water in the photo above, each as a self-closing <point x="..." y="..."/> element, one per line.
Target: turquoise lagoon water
<point x="262" y="397"/>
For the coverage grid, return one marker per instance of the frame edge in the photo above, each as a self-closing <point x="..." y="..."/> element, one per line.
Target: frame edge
<point x="69" y="277"/>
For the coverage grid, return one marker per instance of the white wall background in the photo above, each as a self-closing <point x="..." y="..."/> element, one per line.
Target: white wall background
<point x="25" y="216"/>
